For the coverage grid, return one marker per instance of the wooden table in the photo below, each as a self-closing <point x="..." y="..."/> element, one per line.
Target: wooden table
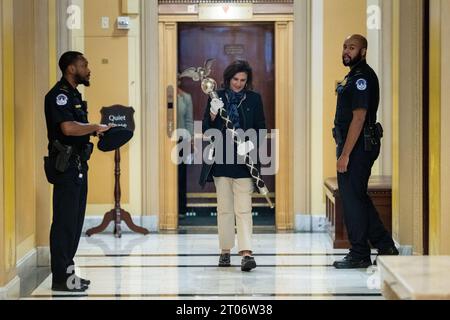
<point x="380" y="191"/>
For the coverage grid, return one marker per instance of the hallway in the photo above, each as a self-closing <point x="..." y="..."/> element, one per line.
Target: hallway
<point x="184" y="266"/>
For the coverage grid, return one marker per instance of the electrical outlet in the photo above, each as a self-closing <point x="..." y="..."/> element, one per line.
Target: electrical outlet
<point x="105" y="22"/>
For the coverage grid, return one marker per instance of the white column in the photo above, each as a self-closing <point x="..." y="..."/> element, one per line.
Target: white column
<point x="385" y="112"/>
<point x="70" y="25"/>
<point x="302" y="115"/>
<point x="375" y="60"/>
<point x="150" y="115"/>
<point x="316" y="118"/>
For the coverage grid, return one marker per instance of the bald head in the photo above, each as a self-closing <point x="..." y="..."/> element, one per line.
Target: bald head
<point x="354" y="50"/>
<point x="357" y="38"/>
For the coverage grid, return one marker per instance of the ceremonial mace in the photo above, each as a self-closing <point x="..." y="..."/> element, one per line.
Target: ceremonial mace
<point x="209" y="86"/>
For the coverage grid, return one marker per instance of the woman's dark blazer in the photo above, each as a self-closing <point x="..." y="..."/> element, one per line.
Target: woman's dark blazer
<point x="251" y="116"/>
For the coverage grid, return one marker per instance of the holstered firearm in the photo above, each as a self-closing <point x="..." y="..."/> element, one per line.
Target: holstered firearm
<point x="379" y="130"/>
<point x="63" y="155"/>
<point x="372" y="135"/>
<point x="86" y="152"/>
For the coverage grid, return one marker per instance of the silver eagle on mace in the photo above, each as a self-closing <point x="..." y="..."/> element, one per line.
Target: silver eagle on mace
<point x="209" y="86"/>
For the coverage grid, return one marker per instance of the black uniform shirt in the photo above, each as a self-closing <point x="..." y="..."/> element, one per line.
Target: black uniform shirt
<point x="360" y="89"/>
<point x="64" y="103"/>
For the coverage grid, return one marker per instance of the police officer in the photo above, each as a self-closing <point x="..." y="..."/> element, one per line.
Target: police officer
<point x="358" y="146"/>
<point x="66" y="167"/>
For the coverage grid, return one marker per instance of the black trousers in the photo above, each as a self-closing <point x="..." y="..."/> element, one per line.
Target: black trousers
<point x="69" y="206"/>
<point x="360" y="215"/>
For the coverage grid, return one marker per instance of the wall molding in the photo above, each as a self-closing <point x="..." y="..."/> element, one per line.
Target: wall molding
<point x="11" y="291"/>
<point x="150" y="110"/>
<point x="439" y="172"/>
<point x="316" y="131"/>
<point x="43" y="256"/>
<point x="8" y="223"/>
<point x="445" y="113"/>
<point x="2" y="212"/>
<point x="386" y="87"/>
<point x="407" y="123"/>
<point x="27" y="264"/>
<point x="310" y="223"/>
<point x="25" y="267"/>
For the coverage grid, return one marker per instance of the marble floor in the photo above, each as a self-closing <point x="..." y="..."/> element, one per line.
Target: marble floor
<point x="184" y="266"/>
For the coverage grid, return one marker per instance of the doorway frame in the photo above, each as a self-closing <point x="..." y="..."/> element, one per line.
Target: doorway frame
<point x="284" y="62"/>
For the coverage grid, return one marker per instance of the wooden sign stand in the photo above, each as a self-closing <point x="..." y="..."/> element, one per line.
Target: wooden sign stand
<point x="117" y="115"/>
<point x="117" y="214"/>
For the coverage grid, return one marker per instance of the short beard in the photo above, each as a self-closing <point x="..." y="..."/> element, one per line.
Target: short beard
<point x="353" y="61"/>
<point x="82" y="81"/>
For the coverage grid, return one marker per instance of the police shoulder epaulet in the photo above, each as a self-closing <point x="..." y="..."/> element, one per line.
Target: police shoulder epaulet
<point x="358" y="71"/>
<point x="64" y="88"/>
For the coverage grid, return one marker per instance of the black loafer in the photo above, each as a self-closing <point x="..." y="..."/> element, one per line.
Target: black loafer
<point x="62" y="286"/>
<point x="392" y="251"/>
<point x="248" y="263"/>
<point x="225" y="260"/>
<point x="350" y="262"/>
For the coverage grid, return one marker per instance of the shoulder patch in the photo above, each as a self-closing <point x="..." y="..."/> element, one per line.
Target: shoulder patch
<point x="61" y="100"/>
<point x="361" y="84"/>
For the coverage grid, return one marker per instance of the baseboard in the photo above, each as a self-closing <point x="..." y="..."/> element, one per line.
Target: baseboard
<point x="310" y="223"/>
<point x="38" y="257"/>
<point x="11" y="291"/>
<point x="27" y="264"/>
<point x="43" y="256"/>
<point x="404" y="249"/>
<point x="148" y="222"/>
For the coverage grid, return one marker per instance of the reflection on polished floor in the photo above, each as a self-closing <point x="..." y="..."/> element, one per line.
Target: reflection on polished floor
<point x="184" y="266"/>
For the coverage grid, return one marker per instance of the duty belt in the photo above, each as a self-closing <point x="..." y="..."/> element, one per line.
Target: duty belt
<point x="66" y="153"/>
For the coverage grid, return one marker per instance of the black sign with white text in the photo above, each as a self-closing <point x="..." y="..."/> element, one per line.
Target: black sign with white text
<point x="118" y="115"/>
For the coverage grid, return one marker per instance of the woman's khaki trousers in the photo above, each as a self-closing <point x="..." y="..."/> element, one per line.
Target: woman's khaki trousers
<point x="234" y="203"/>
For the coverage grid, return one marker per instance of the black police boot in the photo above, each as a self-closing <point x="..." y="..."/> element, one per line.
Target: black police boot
<point x="225" y="260"/>
<point x="248" y="263"/>
<point x="391" y="251"/>
<point x="63" y="286"/>
<point x="349" y="262"/>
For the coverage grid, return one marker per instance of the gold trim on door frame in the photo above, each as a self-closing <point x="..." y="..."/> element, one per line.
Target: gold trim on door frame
<point x="168" y="183"/>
